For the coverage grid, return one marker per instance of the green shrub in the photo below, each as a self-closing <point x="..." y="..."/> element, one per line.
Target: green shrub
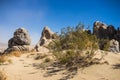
<point x="104" y="44"/>
<point x="71" y="42"/>
<point x="75" y="39"/>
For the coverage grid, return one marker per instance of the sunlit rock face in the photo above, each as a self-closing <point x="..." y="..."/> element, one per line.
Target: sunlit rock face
<point x="20" y="41"/>
<point x="100" y="30"/>
<point x="114" y="45"/>
<point x="46" y="37"/>
<point x="21" y="37"/>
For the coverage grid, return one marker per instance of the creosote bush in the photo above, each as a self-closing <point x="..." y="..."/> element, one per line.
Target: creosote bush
<point x="69" y="47"/>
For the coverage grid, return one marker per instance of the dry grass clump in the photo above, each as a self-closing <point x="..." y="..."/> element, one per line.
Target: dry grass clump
<point x="40" y="56"/>
<point x="4" y="58"/>
<point x="14" y="53"/>
<point x="3" y="76"/>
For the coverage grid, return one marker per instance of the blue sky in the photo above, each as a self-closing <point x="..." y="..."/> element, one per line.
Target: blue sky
<point x="35" y="14"/>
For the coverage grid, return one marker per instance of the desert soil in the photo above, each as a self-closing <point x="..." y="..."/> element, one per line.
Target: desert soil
<point x="22" y="68"/>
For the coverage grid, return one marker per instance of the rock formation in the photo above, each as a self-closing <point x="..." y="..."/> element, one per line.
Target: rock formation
<point x="21" y="37"/>
<point x="20" y="41"/>
<point x="46" y="37"/>
<point x="114" y="45"/>
<point x="102" y="31"/>
<point x="111" y="32"/>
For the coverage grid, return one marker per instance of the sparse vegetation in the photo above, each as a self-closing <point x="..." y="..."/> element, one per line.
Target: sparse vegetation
<point x="40" y="56"/>
<point x="104" y="44"/>
<point x="4" y="59"/>
<point x="15" y="53"/>
<point x="70" y="46"/>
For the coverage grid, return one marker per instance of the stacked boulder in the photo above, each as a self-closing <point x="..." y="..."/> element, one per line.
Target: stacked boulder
<point x="102" y="31"/>
<point x="21" y="37"/>
<point x="46" y="37"/>
<point x="20" y="41"/>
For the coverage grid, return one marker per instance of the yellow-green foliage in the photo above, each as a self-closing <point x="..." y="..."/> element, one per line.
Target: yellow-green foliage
<point x="73" y="41"/>
<point x="104" y="44"/>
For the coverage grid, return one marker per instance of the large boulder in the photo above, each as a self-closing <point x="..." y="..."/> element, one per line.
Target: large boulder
<point x="114" y="45"/>
<point x="21" y="37"/>
<point x="100" y="30"/>
<point x="20" y="41"/>
<point x="46" y="37"/>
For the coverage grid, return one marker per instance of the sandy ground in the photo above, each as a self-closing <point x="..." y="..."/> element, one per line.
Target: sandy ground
<point x="22" y="68"/>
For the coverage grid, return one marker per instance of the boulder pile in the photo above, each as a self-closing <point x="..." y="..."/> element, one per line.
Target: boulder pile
<point x="102" y="31"/>
<point x="46" y="37"/>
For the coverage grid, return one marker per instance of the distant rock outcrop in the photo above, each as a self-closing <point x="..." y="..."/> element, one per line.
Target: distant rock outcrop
<point x="46" y="37"/>
<point x="102" y="31"/>
<point x="21" y="37"/>
<point x="20" y="41"/>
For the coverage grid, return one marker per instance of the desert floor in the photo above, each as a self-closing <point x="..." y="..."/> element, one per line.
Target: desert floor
<point x="23" y="68"/>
